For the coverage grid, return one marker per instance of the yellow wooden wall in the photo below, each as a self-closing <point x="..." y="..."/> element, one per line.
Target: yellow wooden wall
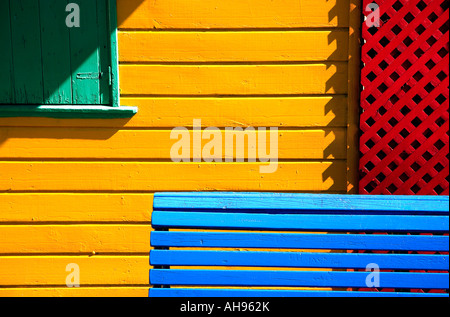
<point x="80" y="191"/>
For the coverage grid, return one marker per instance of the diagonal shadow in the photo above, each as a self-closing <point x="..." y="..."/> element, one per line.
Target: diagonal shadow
<point x="63" y="51"/>
<point x="339" y="109"/>
<point x="51" y="63"/>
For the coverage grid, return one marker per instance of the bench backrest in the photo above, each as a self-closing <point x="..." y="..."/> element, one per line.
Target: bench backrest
<point x="405" y="237"/>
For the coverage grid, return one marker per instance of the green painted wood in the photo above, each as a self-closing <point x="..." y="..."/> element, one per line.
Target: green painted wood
<point x="6" y="87"/>
<point x="68" y="111"/>
<point x="55" y="52"/>
<point x="27" y="61"/>
<point x="114" y="52"/>
<point x="104" y="51"/>
<point x="85" y="56"/>
<point x="45" y="62"/>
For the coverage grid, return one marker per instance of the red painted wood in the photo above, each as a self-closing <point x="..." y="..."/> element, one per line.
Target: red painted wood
<point x="404" y="122"/>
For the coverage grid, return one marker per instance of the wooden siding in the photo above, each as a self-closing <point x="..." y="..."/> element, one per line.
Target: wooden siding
<point x="81" y="191"/>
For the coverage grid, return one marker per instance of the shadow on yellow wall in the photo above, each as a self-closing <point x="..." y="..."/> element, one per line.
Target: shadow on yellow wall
<point x="126" y="9"/>
<point x="333" y="82"/>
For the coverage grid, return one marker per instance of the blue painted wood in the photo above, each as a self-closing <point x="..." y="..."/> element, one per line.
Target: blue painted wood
<point x="298" y="259"/>
<point x="300" y="241"/>
<point x="229" y="293"/>
<point x="302" y="212"/>
<point x="296" y="278"/>
<point x="178" y="219"/>
<point x="285" y="203"/>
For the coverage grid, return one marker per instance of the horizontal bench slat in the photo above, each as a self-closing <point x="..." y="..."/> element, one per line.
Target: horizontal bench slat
<point x="284" y="203"/>
<point x="296" y="278"/>
<point x="300" y="241"/>
<point x="298" y="259"/>
<point x="178" y="219"/>
<point x="192" y="292"/>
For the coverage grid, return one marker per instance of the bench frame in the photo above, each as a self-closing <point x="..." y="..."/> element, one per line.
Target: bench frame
<point x="343" y="217"/>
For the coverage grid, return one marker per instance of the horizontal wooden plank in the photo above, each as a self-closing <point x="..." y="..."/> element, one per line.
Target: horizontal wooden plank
<point x="104" y="291"/>
<point x="210" y="80"/>
<point x="285" y="202"/>
<point x="296" y="278"/>
<point x="151" y="177"/>
<point x="298" y="259"/>
<point x="330" y="111"/>
<point x="94" y="270"/>
<point x="215" y="14"/>
<point x="229" y="293"/>
<point x="103" y="143"/>
<point x="85" y="207"/>
<point x="323" y="222"/>
<point x="74" y="238"/>
<point x="233" y="46"/>
<point x="300" y="241"/>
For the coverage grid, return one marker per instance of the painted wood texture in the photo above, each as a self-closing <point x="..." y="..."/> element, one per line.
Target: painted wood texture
<point x="47" y="60"/>
<point x="216" y="14"/>
<point x="56" y="53"/>
<point x="274" y="46"/>
<point x="295" y="278"/>
<point x="154" y="144"/>
<point x="75" y="208"/>
<point x="209" y="292"/>
<point x="150" y="177"/>
<point x="27" y="55"/>
<point x="89" y="184"/>
<point x="381" y="223"/>
<point x="298" y="259"/>
<point x="63" y="291"/>
<point x="302" y="241"/>
<point x="169" y="112"/>
<point x="302" y="203"/>
<point x="6" y="62"/>
<point x="147" y="80"/>
<point x="45" y="270"/>
<point x="189" y="258"/>
<point x="353" y="109"/>
<point x="74" y="238"/>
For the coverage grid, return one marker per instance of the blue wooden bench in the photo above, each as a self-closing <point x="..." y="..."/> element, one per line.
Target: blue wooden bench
<point x="415" y="235"/>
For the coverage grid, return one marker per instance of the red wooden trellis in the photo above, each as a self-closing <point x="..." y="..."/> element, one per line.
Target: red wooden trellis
<point x="404" y="120"/>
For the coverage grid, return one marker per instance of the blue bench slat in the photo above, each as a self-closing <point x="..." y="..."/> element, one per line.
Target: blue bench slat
<point x="301" y="202"/>
<point x="216" y="220"/>
<point x="295" y="278"/>
<point x="297" y="212"/>
<point x="298" y="259"/>
<point x="228" y="293"/>
<point x="300" y="241"/>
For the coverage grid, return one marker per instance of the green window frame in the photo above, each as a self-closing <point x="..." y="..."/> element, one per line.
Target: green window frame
<point x="51" y="70"/>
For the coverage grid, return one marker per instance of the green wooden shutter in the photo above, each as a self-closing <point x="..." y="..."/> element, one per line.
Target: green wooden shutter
<point x="43" y="61"/>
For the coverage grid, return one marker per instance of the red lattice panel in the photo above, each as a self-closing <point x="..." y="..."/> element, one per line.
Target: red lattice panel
<point x="404" y="125"/>
<point x="404" y="122"/>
